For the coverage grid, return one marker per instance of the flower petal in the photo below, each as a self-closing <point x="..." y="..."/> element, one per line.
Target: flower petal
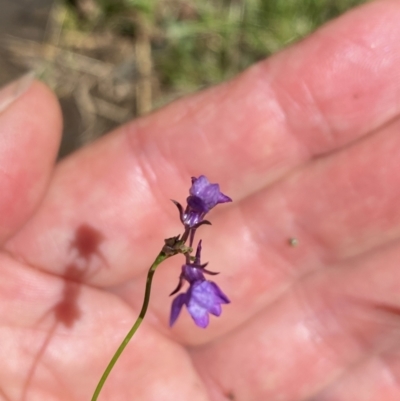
<point x="209" y="194"/>
<point x="176" y="307"/>
<point x="202" y="294"/>
<point x="215" y="309"/>
<point x="223" y="299"/>
<point x="198" y="313"/>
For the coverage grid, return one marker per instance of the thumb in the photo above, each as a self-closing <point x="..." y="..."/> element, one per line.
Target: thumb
<point x="30" y="131"/>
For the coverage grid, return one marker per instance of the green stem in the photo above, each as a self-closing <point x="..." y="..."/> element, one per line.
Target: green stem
<point x="160" y="258"/>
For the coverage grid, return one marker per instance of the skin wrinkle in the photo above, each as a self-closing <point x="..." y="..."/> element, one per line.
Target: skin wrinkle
<point x="4" y="395"/>
<point x="325" y="128"/>
<point x="137" y="145"/>
<point x="379" y="386"/>
<point x="280" y="120"/>
<point x="289" y="104"/>
<point x="135" y="142"/>
<point x="361" y="369"/>
<point x="197" y="379"/>
<point x="201" y="143"/>
<point x="389" y="370"/>
<point x="258" y="257"/>
<point x="323" y="125"/>
<point x="370" y="43"/>
<point x="268" y="95"/>
<point x="365" y="350"/>
<point x="382" y="333"/>
<point x="374" y="205"/>
<point x="56" y="377"/>
<point x="321" y="342"/>
<point x="325" y="33"/>
<point x="201" y="116"/>
<point x="345" y="175"/>
<point x="312" y="239"/>
<point x="276" y="244"/>
<point x="150" y="156"/>
<point x="192" y="103"/>
<point x="320" y="314"/>
<point x="215" y="390"/>
<point x="285" y="266"/>
<point x="147" y="168"/>
<point x="199" y="111"/>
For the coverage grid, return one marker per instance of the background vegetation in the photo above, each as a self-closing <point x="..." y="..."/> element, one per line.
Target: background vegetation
<point x="196" y="43"/>
<point x="112" y="60"/>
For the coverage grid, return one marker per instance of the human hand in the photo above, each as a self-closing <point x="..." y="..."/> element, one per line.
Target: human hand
<point x="306" y="143"/>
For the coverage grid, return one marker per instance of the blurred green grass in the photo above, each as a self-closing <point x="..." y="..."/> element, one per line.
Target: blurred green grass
<point x="196" y="43"/>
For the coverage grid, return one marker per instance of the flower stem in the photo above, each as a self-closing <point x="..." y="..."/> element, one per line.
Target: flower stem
<point x="160" y="258"/>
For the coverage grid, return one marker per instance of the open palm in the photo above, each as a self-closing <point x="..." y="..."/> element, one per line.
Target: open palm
<point x="307" y="144"/>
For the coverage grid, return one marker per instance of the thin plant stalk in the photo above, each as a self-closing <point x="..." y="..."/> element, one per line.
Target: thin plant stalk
<point x="160" y="258"/>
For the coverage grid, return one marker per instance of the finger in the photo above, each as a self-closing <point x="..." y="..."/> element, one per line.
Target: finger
<point x="236" y="133"/>
<point x="61" y="335"/>
<point x="30" y="129"/>
<point x="331" y="322"/>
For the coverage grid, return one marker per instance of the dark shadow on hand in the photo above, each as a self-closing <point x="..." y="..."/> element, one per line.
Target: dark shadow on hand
<point x="86" y="243"/>
<point x="84" y="253"/>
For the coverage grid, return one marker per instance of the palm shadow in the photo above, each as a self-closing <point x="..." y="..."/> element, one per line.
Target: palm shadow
<point x="86" y="259"/>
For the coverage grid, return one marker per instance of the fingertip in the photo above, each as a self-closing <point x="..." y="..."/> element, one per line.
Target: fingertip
<point x="30" y="132"/>
<point x="42" y="109"/>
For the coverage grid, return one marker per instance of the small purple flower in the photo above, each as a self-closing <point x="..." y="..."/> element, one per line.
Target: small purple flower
<point x="203" y="197"/>
<point x="202" y="297"/>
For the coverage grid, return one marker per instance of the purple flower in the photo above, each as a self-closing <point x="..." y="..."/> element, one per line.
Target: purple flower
<point x="202" y="297"/>
<point x="203" y="197"/>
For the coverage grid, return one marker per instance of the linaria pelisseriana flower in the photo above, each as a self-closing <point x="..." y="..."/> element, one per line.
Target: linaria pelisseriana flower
<point x="202" y="297"/>
<point x="203" y="197"/>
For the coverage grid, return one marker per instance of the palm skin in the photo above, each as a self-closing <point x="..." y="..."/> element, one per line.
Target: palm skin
<point x="307" y="144"/>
